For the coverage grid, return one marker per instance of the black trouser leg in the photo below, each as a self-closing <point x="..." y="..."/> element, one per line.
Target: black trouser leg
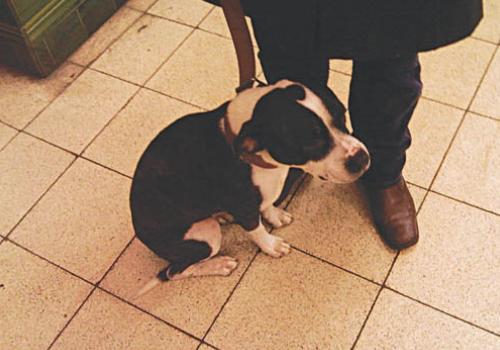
<point x="382" y="99"/>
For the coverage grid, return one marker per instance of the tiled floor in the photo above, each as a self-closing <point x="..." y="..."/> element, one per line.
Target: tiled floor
<point x="70" y="267"/>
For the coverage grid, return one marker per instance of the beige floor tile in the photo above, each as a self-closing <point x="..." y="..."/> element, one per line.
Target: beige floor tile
<point x="36" y="299"/>
<point x="190" y="304"/>
<point x="400" y="323"/>
<point x="142" y="49"/>
<point x="451" y="74"/>
<point x="454" y="267"/>
<point x="343" y="66"/>
<point x="206" y="347"/>
<point x="82" y="223"/>
<point x="340" y="84"/>
<point x="6" y="134"/>
<point x="432" y="126"/>
<point x="101" y="39"/>
<point x="216" y="23"/>
<point x="470" y="170"/>
<point x="192" y="74"/>
<point x="418" y="195"/>
<point x="24" y="96"/>
<point x="29" y="167"/>
<point x="333" y="223"/>
<point x="141" y="5"/>
<point x="123" y="141"/>
<point x="296" y="302"/>
<point x="487" y="100"/>
<point x="107" y="323"/>
<point x="489" y="29"/>
<point x="188" y="12"/>
<point x="76" y="116"/>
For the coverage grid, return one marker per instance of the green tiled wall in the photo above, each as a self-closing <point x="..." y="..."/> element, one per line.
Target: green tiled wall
<point x="22" y="10"/>
<point x="47" y="38"/>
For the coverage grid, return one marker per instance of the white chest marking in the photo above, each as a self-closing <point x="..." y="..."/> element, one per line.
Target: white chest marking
<point x="270" y="182"/>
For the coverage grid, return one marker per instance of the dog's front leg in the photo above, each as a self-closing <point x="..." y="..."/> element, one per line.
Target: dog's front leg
<point x="247" y="214"/>
<point x="270" y="244"/>
<point x="277" y="217"/>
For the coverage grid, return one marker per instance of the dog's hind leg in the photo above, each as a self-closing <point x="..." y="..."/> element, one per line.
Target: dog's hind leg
<point x="216" y="266"/>
<point x="206" y="231"/>
<point x="193" y="256"/>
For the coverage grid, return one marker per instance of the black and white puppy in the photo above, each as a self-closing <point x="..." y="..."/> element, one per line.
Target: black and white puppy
<point x="235" y="160"/>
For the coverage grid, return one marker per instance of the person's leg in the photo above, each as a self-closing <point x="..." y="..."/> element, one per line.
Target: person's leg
<point x="383" y="96"/>
<point x="382" y="100"/>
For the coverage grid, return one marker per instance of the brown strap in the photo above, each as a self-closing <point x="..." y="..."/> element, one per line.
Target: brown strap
<point x="242" y="42"/>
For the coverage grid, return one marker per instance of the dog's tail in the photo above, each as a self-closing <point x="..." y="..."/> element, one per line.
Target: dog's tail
<point x="162" y="276"/>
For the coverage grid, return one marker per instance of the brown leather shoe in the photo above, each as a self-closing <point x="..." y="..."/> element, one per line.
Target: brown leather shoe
<point x="394" y="214"/>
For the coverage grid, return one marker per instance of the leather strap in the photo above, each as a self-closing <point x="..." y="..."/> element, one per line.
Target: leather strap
<point x="242" y="42"/>
<point x="248" y="158"/>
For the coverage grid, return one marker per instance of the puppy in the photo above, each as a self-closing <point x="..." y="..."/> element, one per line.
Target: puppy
<point x="235" y="160"/>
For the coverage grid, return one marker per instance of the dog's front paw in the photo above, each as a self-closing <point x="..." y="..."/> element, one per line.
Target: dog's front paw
<point x="270" y="244"/>
<point x="277" y="217"/>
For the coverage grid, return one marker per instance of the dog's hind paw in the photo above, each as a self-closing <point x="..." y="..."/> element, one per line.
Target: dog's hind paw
<point x="217" y="266"/>
<point x="277" y="217"/>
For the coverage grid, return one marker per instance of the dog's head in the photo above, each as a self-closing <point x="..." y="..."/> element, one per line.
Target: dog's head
<point x="292" y="126"/>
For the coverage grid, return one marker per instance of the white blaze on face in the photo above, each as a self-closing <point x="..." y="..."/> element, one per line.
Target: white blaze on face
<point x="333" y="166"/>
<point x="241" y="108"/>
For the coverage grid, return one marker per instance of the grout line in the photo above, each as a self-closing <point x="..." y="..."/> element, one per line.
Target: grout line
<point x="148" y="88"/>
<point x="339" y="72"/>
<point x="452" y="198"/>
<point x="478" y="114"/>
<point x="443" y="103"/>
<point x="112" y="265"/>
<point x="488" y="41"/>
<point x="125" y="105"/>
<point x="71" y="318"/>
<point x="106" y="167"/>
<point x="95" y="285"/>
<point x="47" y="260"/>
<point x="111" y="43"/>
<point x="9" y="141"/>
<point x="374" y="302"/>
<point x="139" y="10"/>
<point x="139" y="308"/>
<point x="230" y="295"/>
<point x="442" y="311"/>
<point x="49" y="143"/>
<point x="176" y="98"/>
<point x="450" y="145"/>
<point x="464" y="202"/>
<point x="294" y="192"/>
<point x="383" y="285"/>
<point x="422" y="187"/>
<point x="9" y="125"/>
<point x="77" y="75"/>
<point x="40" y="198"/>
<point x="138" y="90"/>
<point x="335" y="265"/>
<point x="173" y="52"/>
<point x="197" y="26"/>
<point x="367" y="316"/>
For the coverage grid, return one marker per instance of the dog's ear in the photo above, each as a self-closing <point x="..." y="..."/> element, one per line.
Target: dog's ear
<point x="248" y="140"/>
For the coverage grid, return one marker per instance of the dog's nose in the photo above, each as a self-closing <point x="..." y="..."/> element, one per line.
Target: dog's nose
<point x="357" y="162"/>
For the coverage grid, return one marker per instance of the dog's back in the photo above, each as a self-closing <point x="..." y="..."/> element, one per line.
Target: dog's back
<point x="183" y="176"/>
